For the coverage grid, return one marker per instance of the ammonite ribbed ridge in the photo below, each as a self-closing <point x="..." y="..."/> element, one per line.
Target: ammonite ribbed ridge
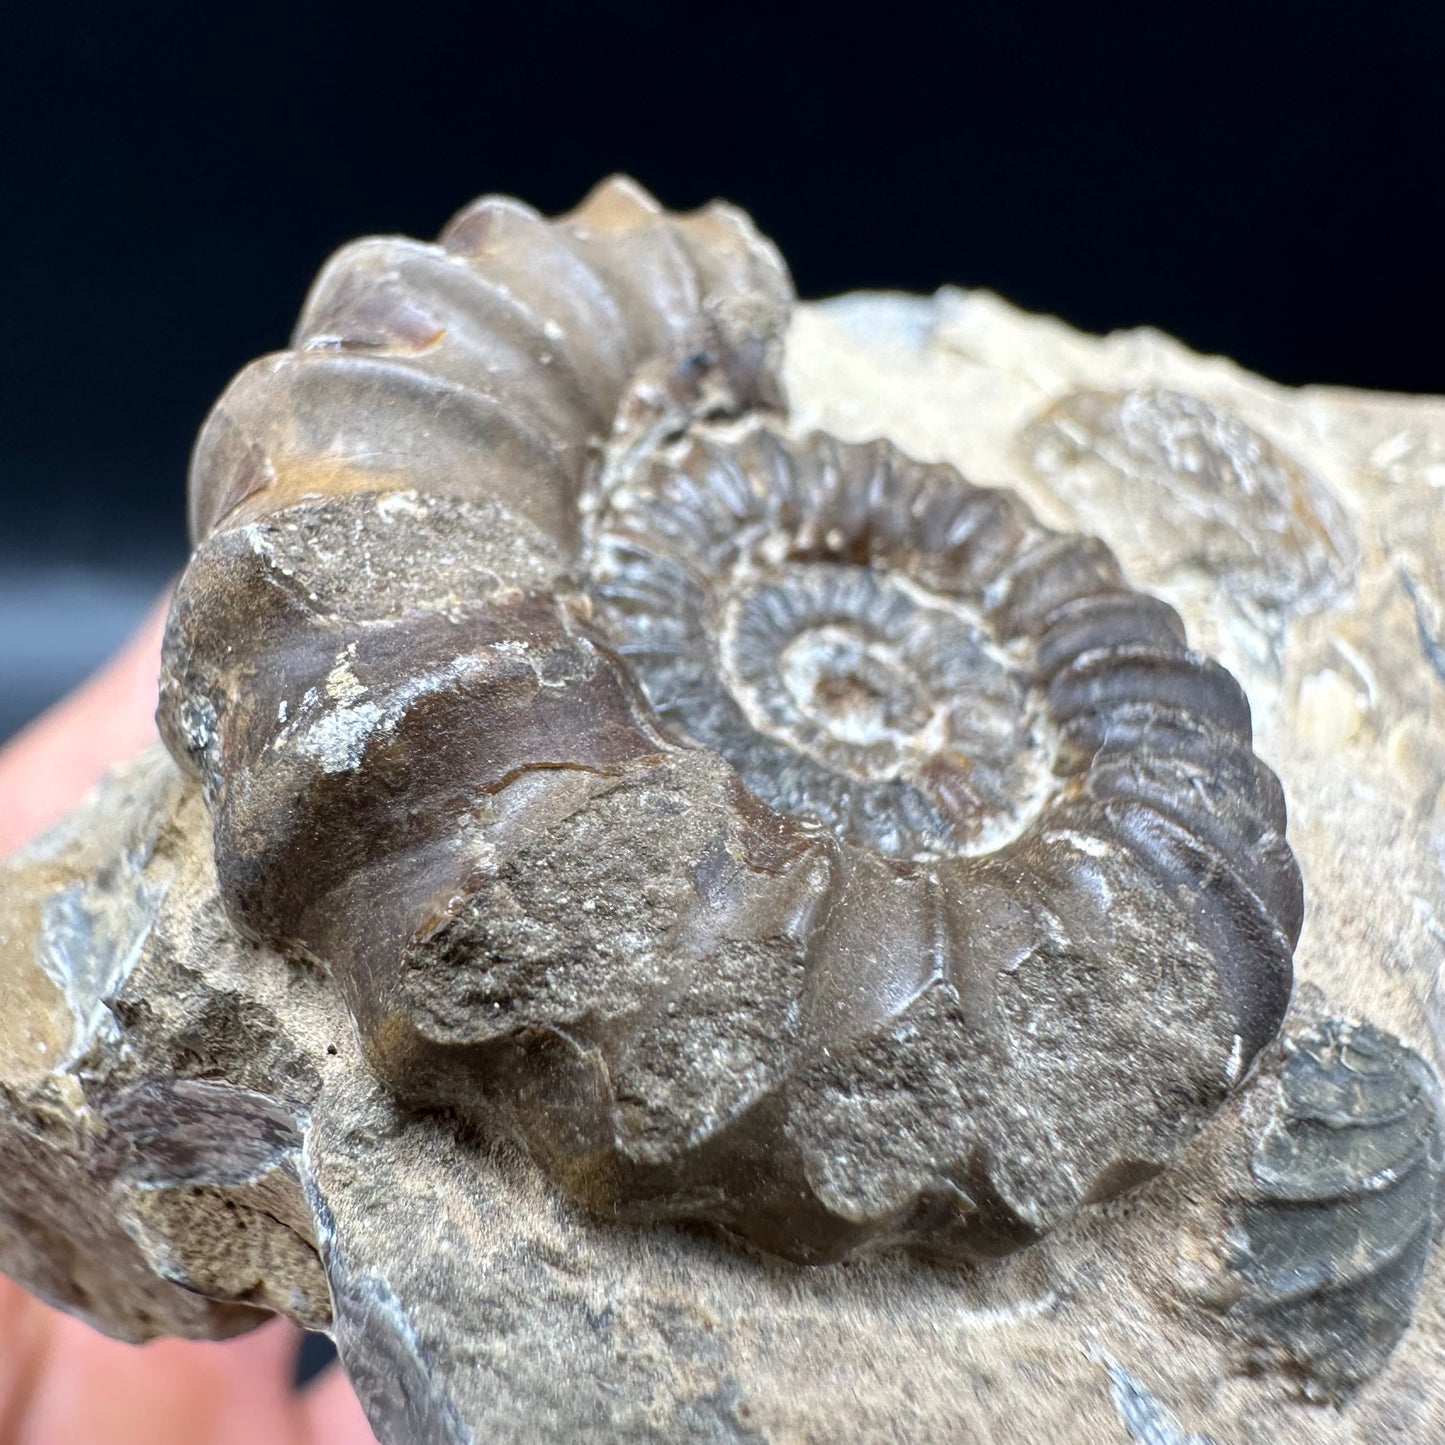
<point x="760" y="829"/>
<point x="1346" y="1194"/>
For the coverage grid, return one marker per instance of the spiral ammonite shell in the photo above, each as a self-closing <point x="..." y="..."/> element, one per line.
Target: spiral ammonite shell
<point x="760" y="829"/>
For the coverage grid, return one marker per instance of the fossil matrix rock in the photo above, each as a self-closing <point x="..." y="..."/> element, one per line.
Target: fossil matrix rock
<point x="642" y="810"/>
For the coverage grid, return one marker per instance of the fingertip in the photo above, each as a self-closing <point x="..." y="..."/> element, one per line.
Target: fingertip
<point x="332" y="1412"/>
<point x="55" y="760"/>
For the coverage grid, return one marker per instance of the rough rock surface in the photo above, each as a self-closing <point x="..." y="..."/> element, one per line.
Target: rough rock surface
<point x="189" y="1136"/>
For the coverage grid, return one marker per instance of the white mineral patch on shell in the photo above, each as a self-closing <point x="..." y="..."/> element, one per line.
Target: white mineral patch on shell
<point x="391" y="505"/>
<point x="338" y="738"/>
<point x="342" y="685"/>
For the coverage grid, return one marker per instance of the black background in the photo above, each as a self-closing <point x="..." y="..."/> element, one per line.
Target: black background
<point x="1263" y="180"/>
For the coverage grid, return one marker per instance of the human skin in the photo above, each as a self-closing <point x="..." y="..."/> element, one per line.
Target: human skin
<point x="61" y="1383"/>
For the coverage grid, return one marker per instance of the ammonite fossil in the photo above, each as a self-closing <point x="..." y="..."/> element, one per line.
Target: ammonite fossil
<point x="1348" y="1192"/>
<point x="762" y="829"/>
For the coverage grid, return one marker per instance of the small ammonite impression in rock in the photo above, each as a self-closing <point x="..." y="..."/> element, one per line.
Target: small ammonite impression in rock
<point x="758" y="828"/>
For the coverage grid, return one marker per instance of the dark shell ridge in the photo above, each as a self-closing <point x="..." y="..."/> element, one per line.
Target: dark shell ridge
<point x="1348" y="1170"/>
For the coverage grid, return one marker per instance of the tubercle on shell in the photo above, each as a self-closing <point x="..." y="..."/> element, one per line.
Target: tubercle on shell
<point x="764" y="830"/>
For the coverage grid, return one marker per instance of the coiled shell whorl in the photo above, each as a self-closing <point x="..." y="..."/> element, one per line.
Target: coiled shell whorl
<point x="761" y="829"/>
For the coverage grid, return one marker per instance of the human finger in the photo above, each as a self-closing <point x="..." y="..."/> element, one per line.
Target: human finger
<point x="58" y="758"/>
